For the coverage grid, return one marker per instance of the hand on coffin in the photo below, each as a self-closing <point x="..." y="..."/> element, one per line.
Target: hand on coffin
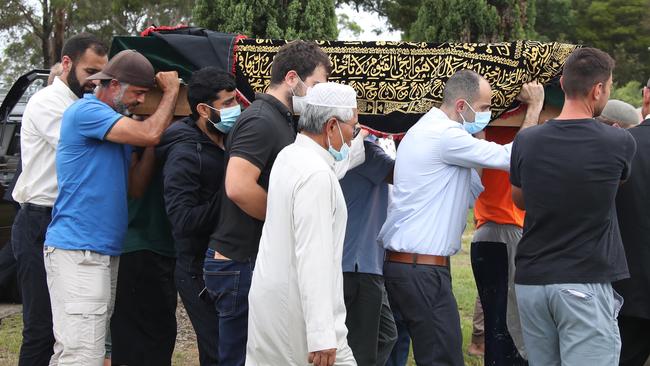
<point x="532" y="93"/>
<point x="168" y="81"/>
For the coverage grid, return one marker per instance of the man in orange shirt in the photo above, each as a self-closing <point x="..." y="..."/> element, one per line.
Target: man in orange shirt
<point x="499" y="227"/>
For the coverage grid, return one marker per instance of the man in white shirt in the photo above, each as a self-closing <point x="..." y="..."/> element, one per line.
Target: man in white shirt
<point x="297" y="311"/>
<point x="36" y="188"/>
<point x="436" y="180"/>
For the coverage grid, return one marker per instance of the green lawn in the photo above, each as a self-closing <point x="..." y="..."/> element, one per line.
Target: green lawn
<point x="464" y="288"/>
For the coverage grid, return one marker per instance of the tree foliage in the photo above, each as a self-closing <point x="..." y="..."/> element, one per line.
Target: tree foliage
<point x="455" y="20"/>
<point x="36" y="29"/>
<point x="280" y="19"/>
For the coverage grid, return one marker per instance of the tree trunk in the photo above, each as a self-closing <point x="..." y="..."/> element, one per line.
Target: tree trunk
<point x="46" y="45"/>
<point x="59" y="34"/>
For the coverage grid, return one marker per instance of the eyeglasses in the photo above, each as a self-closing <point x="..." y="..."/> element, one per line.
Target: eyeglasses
<point x="356" y="127"/>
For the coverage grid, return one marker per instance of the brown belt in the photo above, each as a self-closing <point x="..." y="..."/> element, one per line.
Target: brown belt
<point x="414" y="258"/>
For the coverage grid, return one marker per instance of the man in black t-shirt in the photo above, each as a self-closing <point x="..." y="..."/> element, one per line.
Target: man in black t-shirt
<point x="565" y="174"/>
<point x="263" y="129"/>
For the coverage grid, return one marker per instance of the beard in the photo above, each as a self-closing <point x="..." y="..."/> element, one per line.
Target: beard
<point x="121" y="107"/>
<point x="75" y="86"/>
<point x="214" y="119"/>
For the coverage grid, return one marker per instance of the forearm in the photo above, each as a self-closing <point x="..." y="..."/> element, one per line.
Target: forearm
<point x="189" y="220"/>
<point x="532" y="115"/>
<point x="158" y="122"/>
<point x="141" y="172"/>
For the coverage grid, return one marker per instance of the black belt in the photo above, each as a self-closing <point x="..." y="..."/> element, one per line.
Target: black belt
<point x="37" y="208"/>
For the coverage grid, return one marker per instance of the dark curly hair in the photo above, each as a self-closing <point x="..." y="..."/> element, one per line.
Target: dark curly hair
<point x="204" y="86"/>
<point x="301" y="56"/>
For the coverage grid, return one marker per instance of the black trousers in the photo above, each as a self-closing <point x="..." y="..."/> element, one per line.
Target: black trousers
<point x="422" y="295"/>
<point x="371" y="327"/>
<point x="27" y="238"/>
<point x="143" y="326"/>
<point x="635" y="341"/>
<point x="201" y="312"/>
<point x="490" y="267"/>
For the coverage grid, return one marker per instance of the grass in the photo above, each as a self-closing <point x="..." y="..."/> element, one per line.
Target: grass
<point x="10" y="338"/>
<point x="463" y="285"/>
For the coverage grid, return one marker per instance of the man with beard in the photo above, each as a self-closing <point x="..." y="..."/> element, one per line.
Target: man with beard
<point x="36" y="188"/>
<point x="193" y="153"/>
<point x="89" y="219"/>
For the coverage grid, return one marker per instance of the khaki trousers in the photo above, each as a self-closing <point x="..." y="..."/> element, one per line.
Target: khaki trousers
<point x="82" y="290"/>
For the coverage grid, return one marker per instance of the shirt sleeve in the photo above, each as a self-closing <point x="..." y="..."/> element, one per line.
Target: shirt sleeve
<point x="515" y="179"/>
<point x="475" y="187"/>
<point x="377" y="165"/>
<point x="457" y="147"/>
<point x="313" y="223"/>
<point x="629" y="149"/>
<point x="95" y="120"/>
<point x="253" y="141"/>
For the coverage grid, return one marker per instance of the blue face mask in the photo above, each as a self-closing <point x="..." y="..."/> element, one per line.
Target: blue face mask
<point x="227" y="117"/>
<point x="345" y="148"/>
<point x="481" y="120"/>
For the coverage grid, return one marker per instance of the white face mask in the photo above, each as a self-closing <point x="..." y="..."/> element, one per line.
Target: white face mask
<point x="299" y="102"/>
<point x="356" y="157"/>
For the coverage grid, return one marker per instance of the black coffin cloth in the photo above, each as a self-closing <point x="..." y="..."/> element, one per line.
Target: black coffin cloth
<point x="396" y="82"/>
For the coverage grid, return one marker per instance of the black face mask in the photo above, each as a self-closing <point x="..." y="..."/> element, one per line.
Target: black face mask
<point x="215" y="118"/>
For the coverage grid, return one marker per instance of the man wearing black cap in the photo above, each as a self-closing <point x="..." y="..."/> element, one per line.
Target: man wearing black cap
<point x="89" y="219"/>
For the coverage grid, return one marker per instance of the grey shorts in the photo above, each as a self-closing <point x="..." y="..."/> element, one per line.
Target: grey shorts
<point x="570" y="324"/>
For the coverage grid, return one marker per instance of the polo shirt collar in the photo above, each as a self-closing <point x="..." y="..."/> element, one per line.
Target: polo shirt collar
<point x="64" y="88"/>
<point x="307" y="142"/>
<point x="283" y="109"/>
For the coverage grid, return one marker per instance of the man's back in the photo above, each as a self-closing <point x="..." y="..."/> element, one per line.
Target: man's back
<point x="569" y="171"/>
<point x="634" y="219"/>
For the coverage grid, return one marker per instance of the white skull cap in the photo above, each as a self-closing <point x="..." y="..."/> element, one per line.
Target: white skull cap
<point x="333" y="95"/>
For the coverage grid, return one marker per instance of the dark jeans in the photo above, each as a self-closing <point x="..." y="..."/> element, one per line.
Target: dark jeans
<point x="400" y="354"/>
<point x="371" y="327"/>
<point x="228" y="283"/>
<point x="490" y="266"/>
<point x="143" y="326"/>
<point x="422" y="295"/>
<point x="635" y="341"/>
<point x="8" y="276"/>
<point x="27" y="239"/>
<point x="191" y="288"/>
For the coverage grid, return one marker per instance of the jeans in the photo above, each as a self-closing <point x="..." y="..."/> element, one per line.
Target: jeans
<point x="191" y="289"/>
<point x="570" y="324"/>
<point x="27" y="237"/>
<point x="143" y="326"/>
<point x="228" y="283"/>
<point x="422" y="294"/>
<point x="371" y="327"/>
<point x="490" y="267"/>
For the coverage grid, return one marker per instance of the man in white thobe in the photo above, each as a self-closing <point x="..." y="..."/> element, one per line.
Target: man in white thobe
<point x="297" y="312"/>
